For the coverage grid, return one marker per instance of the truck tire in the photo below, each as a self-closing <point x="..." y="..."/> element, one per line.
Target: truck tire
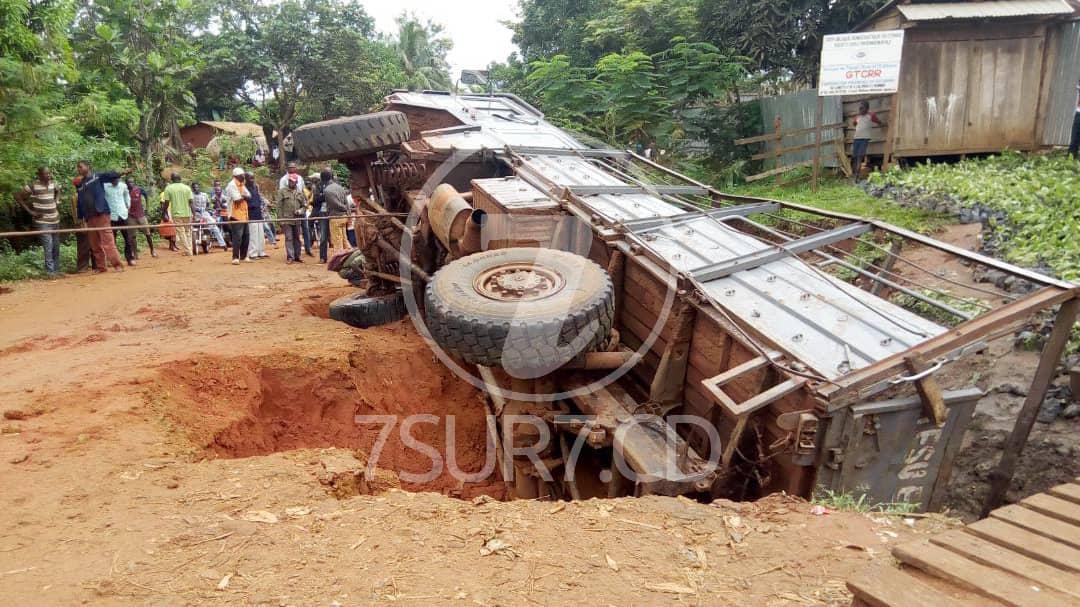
<point x="527" y="310"/>
<point x="350" y="136"/>
<point x="363" y="311"/>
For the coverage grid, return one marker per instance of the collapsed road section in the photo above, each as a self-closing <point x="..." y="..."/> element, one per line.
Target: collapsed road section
<point x="593" y="288"/>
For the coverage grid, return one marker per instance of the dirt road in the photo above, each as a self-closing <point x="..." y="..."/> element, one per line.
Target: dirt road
<point x="182" y="434"/>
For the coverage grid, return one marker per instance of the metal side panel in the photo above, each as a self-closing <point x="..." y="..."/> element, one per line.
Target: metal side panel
<point x="889" y="452"/>
<point x="830" y="326"/>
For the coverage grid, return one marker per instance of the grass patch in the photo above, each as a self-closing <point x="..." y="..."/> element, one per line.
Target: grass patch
<point x="30" y="262"/>
<point x="850" y="502"/>
<point x="841" y="196"/>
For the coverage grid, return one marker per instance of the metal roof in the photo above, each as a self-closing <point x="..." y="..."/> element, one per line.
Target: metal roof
<point x="988" y="9"/>
<point x="233" y="128"/>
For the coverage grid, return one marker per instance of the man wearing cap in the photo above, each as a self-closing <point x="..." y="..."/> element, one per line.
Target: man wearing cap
<point x="291" y="203"/>
<point x="291" y="170"/>
<point x="180" y="197"/>
<point x="237" y="197"/>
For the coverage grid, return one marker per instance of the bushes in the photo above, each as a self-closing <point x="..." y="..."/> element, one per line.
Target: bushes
<point x="1031" y="203"/>
<point x="30" y="262"/>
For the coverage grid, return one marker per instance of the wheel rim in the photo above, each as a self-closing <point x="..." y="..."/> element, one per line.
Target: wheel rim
<point x="518" y="282"/>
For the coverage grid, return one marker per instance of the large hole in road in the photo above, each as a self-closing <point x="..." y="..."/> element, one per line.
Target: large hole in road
<point x="234" y="407"/>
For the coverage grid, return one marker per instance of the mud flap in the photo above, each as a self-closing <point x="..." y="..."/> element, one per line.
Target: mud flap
<point x="891" y="453"/>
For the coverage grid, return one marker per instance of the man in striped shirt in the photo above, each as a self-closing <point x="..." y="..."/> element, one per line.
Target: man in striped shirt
<point x="39" y="198"/>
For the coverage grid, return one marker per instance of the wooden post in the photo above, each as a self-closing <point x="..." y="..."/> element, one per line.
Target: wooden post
<point x="817" y="143"/>
<point x="890" y="132"/>
<point x="887" y="266"/>
<point x="1002" y="476"/>
<point x="777" y="126"/>
<point x="929" y="391"/>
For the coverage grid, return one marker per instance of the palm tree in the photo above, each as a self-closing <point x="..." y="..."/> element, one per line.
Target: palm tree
<point x="422" y="48"/>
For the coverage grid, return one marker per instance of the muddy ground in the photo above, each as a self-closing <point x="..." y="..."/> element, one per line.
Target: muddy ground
<point x="181" y="434"/>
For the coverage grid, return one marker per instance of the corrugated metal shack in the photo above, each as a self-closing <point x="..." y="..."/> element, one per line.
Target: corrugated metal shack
<point x="977" y="76"/>
<point x="981" y="76"/>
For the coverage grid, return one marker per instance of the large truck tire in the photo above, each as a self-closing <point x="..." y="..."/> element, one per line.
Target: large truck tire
<point x="350" y="136"/>
<point x="363" y="311"/>
<point x="527" y="310"/>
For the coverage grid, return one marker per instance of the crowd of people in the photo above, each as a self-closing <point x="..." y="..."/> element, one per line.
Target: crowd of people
<point x="313" y="213"/>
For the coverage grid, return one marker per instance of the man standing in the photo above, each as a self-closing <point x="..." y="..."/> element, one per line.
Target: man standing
<point x="256" y="237"/>
<point x="84" y="261"/>
<point x="337" y="206"/>
<point x="309" y="224"/>
<point x="116" y="192"/>
<point x="180" y="196"/>
<point x="137" y="219"/>
<point x="237" y="197"/>
<point x="93" y="208"/>
<point x="42" y="195"/>
<point x="291" y="170"/>
<point x="864" y="127"/>
<point x="291" y="203"/>
<point x="1074" y="144"/>
<point x="321" y="231"/>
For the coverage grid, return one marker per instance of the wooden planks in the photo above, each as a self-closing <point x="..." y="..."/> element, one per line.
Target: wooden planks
<point x="1039" y="524"/>
<point x="992" y="555"/>
<point x="1024" y="555"/>
<point x="888" y="587"/>
<point x="1069" y="492"/>
<point x="999" y="585"/>
<point x="1054" y="507"/>
<point x="1020" y="541"/>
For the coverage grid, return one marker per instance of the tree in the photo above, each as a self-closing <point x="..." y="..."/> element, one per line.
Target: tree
<point x="558" y="27"/>
<point x="145" y="46"/>
<point x="643" y="25"/>
<point x="295" y="61"/>
<point x="421" y="47"/>
<point x="781" y="37"/>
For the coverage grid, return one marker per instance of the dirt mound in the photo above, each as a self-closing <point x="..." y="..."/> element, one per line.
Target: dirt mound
<point x="247" y="406"/>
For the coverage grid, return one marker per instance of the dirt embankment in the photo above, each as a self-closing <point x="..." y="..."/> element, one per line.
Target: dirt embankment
<point x="181" y="434"/>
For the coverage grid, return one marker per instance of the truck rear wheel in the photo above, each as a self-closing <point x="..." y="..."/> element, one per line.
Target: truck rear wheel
<point x="351" y="136"/>
<point x="364" y="311"/>
<point x="527" y="310"/>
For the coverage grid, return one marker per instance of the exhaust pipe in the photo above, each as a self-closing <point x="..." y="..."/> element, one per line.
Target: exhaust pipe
<point x="454" y="222"/>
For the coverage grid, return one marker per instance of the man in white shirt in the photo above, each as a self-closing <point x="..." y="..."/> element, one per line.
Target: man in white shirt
<point x="291" y="169"/>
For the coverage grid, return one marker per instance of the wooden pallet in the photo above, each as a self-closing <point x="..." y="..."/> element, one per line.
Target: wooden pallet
<point x="1024" y="555"/>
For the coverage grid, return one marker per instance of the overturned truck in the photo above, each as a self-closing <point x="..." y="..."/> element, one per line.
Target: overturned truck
<point x="671" y="338"/>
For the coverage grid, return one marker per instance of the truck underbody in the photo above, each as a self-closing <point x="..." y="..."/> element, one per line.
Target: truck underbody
<point x="713" y="345"/>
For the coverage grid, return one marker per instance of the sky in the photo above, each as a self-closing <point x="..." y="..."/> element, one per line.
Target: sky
<point x="474" y="26"/>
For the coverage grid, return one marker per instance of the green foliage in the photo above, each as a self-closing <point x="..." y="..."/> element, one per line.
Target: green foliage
<point x="781" y="37"/>
<point x="294" y="61"/>
<point x="1036" y="193"/>
<point x="841" y="196"/>
<point x="642" y="25"/>
<point x="859" y="501"/>
<point x="146" y="47"/>
<point x="633" y="97"/>
<point x="30" y="262"/>
<point x="719" y="126"/>
<point x="422" y="48"/>
<point x="558" y="27"/>
<point x="968" y="305"/>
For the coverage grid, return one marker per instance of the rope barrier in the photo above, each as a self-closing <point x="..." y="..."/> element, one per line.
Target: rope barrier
<point x="193" y="224"/>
